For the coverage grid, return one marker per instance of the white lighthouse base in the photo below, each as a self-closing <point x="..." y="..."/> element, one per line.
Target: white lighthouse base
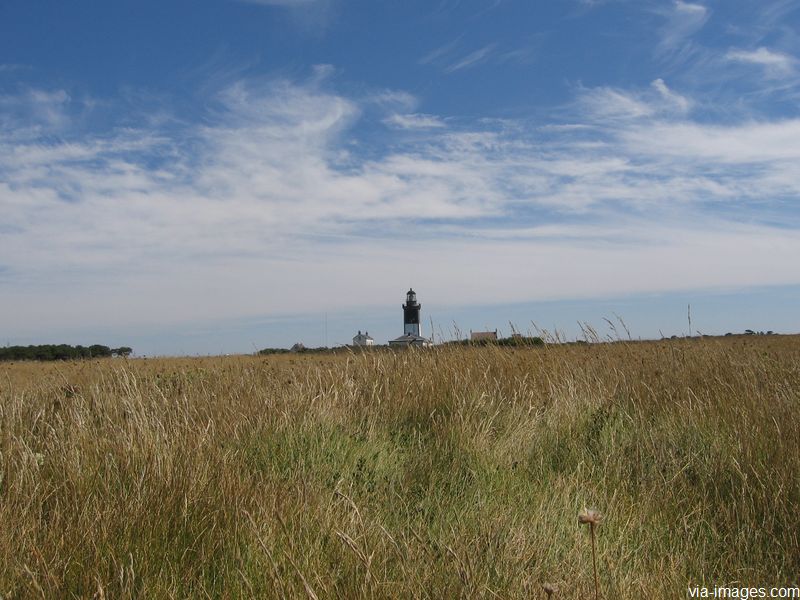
<point x="411" y="339"/>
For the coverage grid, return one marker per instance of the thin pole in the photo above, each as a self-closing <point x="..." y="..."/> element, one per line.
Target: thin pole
<point x="594" y="562"/>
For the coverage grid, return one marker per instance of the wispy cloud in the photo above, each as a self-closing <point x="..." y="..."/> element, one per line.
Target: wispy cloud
<point x="11" y="67"/>
<point x="769" y="145"/>
<point x="472" y="59"/>
<point x="776" y="64"/>
<point x="269" y="192"/>
<point x="683" y="20"/>
<point x="414" y="121"/>
<point x="670" y="97"/>
<point x="311" y="16"/>
<point x="769" y="16"/>
<point x="439" y="53"/>
<point x="36" y="107"/>
<point x="451" y="57"/>
<point x="524" y="55"/>
<point x="614" y="103"/>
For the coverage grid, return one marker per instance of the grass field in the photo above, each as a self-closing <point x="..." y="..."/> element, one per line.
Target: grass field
<point x="453" y="472"/>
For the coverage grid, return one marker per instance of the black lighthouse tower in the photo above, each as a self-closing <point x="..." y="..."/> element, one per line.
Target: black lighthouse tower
<point x="411" y="311"/>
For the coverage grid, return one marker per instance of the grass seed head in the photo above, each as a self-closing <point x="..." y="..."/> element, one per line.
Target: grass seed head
<point x="589" y="516"/>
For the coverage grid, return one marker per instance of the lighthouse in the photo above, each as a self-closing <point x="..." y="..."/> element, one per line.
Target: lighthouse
<point x="411" y="310"/>
<point x="412" y="334"/>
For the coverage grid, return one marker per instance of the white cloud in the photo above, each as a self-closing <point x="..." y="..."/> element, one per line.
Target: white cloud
<point x="472" y="59"/>
<point x="758" y="143"/>
<point x="695" y="11"/>
<point x="683" y="20"/>
<point x="414" y="121"/>
<point x="439" y="53"/>
<point x="301" y="279"/>
<point x="9" y="67"/>
<point x="681" y="103"/>
<point x="39" y="107"/>
<point x="610" y="103"/>
<point x="564" y="127"/>
<point x="774" y="63"/>
<point x="272" y="206"/>
<point x="450" y="57"/>
<point x="613" y="103"/>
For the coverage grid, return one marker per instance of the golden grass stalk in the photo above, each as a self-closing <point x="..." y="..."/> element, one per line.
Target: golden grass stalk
<point x="592" y="519"/>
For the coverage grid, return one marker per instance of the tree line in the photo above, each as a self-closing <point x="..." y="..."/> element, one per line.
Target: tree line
<point x="515" y="340"/>
<point x="61" y="352"/>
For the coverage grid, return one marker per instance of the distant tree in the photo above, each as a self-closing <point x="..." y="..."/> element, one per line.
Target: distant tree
<point x="273" y="351"/>
<point x="59" y="352"/>
<point x="520" y="340"/>
<point x="98" y="351"/>
<point x="122" y="351"/>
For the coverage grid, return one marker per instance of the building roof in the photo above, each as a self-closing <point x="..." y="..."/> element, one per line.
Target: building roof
<point x="483" y="335"/>
<point x="411" y="338"/>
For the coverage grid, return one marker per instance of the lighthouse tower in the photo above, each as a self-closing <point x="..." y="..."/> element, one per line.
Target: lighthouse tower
<point x="411" y="310"/>
<point x="412" y="334"/>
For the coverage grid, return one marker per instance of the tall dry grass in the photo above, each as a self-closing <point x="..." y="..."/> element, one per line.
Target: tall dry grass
<point x="454" y="472"/>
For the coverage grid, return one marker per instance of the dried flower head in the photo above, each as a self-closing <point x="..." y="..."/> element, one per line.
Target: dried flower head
<point x="549" y="589"/>
<point x="590" y="517"/>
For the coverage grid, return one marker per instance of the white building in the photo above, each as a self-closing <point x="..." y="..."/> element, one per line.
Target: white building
<point x="363" y="339"/>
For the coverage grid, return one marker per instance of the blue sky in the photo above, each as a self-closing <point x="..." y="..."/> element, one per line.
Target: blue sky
<point x="203" y="177"/>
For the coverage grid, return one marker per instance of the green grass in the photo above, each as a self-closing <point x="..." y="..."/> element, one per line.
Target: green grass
<point x="453" y="472"/>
